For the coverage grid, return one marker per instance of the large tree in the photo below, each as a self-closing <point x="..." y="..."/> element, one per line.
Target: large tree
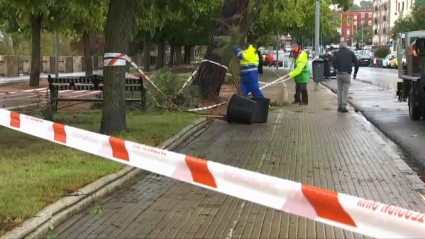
<point x="364" y="5"/>
<point x="364" y="34"/>
<point x="37" y="15"/>
<point x="86" y="18"/>
<point x="119" y="24"/>
<point x="210" y="76"/>
<point x="274" y="17"/>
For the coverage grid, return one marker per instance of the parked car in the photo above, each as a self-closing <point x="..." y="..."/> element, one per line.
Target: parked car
<point x="364" y="60"/>
<point x="387" y="59"/>
<point x="267" y="58"/>
<point x="394" y="63"/>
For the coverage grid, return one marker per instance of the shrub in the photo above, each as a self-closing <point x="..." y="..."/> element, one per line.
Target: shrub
<point x="382" y="52"/>
<point x="170" y="84"/>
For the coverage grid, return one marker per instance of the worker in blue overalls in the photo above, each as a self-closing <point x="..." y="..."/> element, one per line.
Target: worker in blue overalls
<point x="249" y="70"/>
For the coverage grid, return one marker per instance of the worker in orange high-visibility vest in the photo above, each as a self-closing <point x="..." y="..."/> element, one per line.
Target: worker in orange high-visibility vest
<point x="301" y="74"/>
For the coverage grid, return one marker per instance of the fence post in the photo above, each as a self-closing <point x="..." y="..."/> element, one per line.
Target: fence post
<point x="142" y="95"/>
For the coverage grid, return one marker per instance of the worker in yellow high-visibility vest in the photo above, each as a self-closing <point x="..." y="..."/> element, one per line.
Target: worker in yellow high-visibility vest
<point x="249" y="70"/>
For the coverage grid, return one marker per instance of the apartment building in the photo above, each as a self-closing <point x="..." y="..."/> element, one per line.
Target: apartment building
<point x="385" y="13"/>
<point x="352" y="21"/>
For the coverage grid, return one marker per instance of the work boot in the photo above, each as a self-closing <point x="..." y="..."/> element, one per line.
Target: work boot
<point x="304" y="95"/>
<point x="297" y="97"/>
<point x="343" y="110"/>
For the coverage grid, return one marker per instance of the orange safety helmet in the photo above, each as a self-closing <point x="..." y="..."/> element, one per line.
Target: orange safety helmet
<point x="295" y="51"/>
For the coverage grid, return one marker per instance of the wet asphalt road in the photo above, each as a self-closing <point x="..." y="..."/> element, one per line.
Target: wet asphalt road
<point x="374" y="94"/>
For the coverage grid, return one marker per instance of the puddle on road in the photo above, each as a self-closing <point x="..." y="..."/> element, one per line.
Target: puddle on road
<point x="415" y="166"/>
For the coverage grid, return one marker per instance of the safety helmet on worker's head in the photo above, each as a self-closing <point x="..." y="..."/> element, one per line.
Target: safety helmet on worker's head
<point x="296" y="51"/>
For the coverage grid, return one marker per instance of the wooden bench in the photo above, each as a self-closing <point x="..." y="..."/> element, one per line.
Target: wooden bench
<point x="91" y="83"/>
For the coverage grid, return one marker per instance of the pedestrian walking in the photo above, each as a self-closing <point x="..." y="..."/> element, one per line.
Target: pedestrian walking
<point x="249" y="70"/>
<point x="301" y="75"/>
<point x="260" y="62"/>
<point x="343" y="61"/>
<point x="327" y="60"/>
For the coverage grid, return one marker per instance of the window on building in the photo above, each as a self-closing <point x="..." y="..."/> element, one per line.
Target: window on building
<point x="369" y="22"/>
<point x="355" y="17"/>
<point x="402" y="6"/>
<point x="348" y="32"/>
<point x="362" y="14"/>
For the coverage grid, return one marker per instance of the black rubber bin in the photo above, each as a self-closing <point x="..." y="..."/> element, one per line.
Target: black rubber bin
<point x="261" y="114"/>
<point x="241" y="110"/>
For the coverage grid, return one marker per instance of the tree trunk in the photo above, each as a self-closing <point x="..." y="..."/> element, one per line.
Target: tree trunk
<point x="146" y="53"/>
<point x="119" y="24"/>
<point x="192" y="53"/>
<point x="178" y="55"/>
<point x="35" y="51"/>
<point x="87" y="54"/>
<point x="160" y="61"/>
<point x="210" y="76"/>
<point x="172" y="53"/>
<point x="187" y="49"/>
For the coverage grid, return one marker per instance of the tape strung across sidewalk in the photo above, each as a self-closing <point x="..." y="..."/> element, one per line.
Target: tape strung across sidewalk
<point x="280" y="80"/>
<point x="335" y="209"/>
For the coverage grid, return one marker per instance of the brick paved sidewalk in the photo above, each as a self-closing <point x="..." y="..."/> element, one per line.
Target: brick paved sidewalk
<point x="314" y="145"/>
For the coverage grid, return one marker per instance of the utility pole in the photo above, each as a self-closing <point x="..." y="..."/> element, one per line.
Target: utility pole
<point x="317" y="30"/>
<point x="57" y="48"/>
<point x="277" y="51"/>
<point x="317" y="37"/>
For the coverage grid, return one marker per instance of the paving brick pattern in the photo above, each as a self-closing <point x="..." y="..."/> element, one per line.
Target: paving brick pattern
<point x="314" y="145"/>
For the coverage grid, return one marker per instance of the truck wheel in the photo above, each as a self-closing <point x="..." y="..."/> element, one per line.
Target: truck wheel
<point x="415" y="112"/>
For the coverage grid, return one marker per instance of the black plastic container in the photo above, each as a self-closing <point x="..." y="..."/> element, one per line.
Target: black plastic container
<point x="241" y="110"/>
<point x="261" y="114"/>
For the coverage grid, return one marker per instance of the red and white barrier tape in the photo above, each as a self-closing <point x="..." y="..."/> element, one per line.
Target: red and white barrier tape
<point x="215" y="63"/>
<point x="347" y="212"/>
<point x="188" y="80"/>
<point x="280" y="80"/>
<point x="196" y="71"/>
<point x="115" y="59"/>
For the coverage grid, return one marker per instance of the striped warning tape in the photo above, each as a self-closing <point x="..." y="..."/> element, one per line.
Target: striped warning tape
<point x="336" y="209"/>
<point x="115" y="62"/>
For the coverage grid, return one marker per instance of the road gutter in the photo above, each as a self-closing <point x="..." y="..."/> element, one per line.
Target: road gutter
<point x="56" y="213"/>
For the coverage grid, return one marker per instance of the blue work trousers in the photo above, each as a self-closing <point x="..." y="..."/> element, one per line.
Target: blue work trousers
<point x="250" y="84"/>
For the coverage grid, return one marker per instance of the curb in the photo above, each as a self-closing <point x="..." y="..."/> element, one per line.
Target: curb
<point x="56" y="213"/>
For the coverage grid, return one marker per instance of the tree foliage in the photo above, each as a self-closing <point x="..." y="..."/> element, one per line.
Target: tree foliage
<point x="365" y="34"/>
<point x="364" y="5"/>
<point x="411" y="22"/>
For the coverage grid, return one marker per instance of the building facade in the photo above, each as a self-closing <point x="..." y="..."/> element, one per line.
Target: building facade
<point x="352" y="22"/>
<point x="385" y="13"/>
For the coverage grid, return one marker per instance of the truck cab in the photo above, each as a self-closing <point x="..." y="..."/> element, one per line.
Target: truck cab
<point x="411" y="46"/>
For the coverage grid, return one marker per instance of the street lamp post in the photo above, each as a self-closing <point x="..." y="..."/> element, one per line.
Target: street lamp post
<point x="317" y="36"/>
<point x="317" y="29"/>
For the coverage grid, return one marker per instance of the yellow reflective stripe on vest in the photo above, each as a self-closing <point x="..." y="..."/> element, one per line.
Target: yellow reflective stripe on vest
<point x="250" y="57"/>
